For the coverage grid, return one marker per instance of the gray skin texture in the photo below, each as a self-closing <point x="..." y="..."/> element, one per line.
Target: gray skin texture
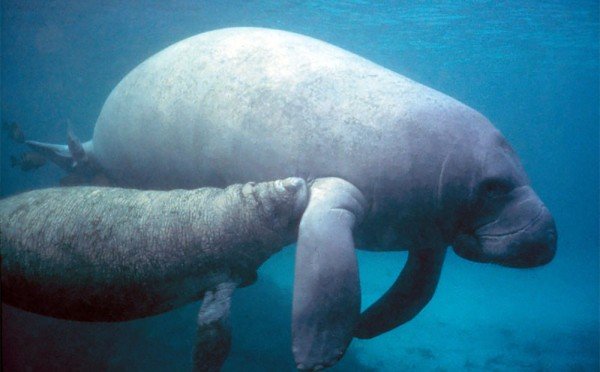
<point x="109" y="254"/>
<point x="398" y="166"/>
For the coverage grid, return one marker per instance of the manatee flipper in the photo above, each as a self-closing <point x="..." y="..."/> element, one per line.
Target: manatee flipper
<point x="213" y="336"/>
<point x="326" y="305"/>
<point x="76" y="149"/>
<point x="408" y="295"/>
<point x="74" y="154"/>
<point x="58" y="154"/>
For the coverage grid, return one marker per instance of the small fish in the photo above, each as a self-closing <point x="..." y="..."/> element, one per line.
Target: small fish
<point x="14" y="132"/>
<point x="28" y="161"/>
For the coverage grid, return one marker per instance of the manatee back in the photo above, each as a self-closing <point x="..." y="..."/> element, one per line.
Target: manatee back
<point x="243" y="104"/>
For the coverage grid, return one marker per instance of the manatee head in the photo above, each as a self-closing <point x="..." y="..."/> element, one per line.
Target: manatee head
<point x="281" y="202"/>
<point x="503" y="220"/>
<point x="263" y="218"/>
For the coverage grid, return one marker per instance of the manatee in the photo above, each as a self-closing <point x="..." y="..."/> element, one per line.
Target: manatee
<point x="393" y="165"/>
<point x="110" y="254"/>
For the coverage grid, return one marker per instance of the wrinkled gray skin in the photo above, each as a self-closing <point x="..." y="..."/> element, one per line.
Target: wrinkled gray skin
<point x="398" y="166"/>
<point x="109" y="254"/>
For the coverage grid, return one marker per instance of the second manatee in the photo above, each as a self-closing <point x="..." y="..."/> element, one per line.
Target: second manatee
<point x="110" y="254"/>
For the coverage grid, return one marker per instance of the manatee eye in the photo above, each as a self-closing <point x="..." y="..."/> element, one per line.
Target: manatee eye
<point x="494" y="188"/>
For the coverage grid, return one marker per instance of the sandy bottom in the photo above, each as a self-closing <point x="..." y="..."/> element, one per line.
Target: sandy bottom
<point x="480" y="319"/>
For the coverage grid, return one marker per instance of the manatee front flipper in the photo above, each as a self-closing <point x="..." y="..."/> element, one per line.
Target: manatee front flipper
<point x="408" y="295"/>
<point x="326" y="304"/>
<point x="213" y="340"/>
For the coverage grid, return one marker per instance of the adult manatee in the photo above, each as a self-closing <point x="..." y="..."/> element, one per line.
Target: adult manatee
<point x="397" y="166"/>
<point x="109" y="254"/>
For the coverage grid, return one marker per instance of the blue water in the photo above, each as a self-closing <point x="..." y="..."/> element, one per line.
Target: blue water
<point x="531" y="67"/>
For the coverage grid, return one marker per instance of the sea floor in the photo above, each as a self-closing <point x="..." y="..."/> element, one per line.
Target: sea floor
<point x="456" y="332"/>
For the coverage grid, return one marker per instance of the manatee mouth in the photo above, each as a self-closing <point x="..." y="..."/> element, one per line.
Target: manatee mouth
<point x="480" y="231"/>
<point x="530" y="245"/>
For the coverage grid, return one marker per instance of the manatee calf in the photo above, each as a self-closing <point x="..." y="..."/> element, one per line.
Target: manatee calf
<point x="109" y="254"/>
<point x="397" y="166"/>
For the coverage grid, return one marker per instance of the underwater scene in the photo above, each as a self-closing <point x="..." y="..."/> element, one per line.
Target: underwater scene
<point x="309" y="85"/>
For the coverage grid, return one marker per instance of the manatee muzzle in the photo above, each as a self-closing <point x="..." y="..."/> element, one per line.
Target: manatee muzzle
<point x="524" y="235"/>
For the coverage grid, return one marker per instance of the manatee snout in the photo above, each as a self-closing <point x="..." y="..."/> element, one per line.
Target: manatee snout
<point x="297" y="190"/>
<point x="283" y="201"/>
<point x="522" y="236"/>
<point x="531" y="247"/>
<point x="539" y="242"/>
